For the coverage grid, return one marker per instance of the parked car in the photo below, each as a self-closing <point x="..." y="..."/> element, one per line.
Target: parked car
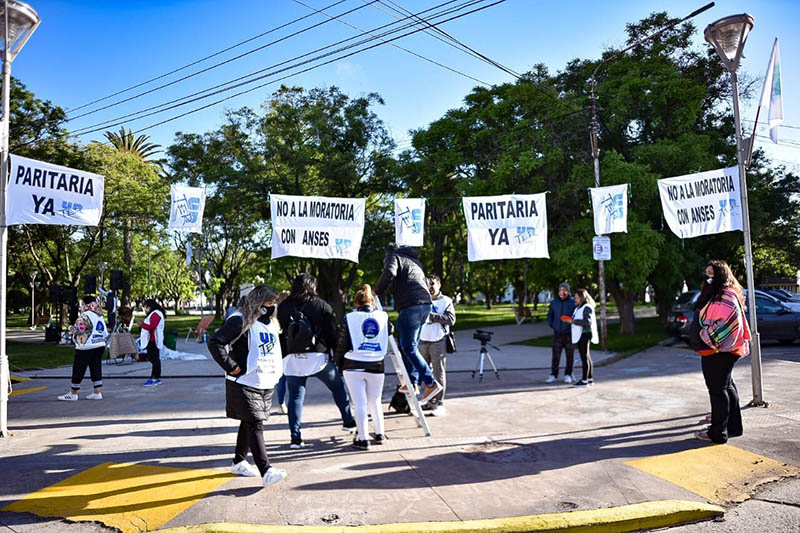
<point x="786" y="294"/>
<point x="776" y="321"/>
<point x="791" y="303"/>
<point x="681" y="314"/>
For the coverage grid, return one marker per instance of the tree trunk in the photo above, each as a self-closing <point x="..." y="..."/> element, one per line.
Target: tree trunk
<point x="624" y="298"/>
<point x="127" y="257"/>
<point x="218" y="304"/>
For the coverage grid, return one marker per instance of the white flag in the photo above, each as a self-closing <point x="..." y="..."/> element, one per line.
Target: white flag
<point x="610" y="205"/>
<point x="409" y="219"/>
<point x="506" y="227"/>
<point x="42" y="193"/>
<point x="702" y="204"/>
<point x="771" y="97"/>
<point x="186" y="209"/>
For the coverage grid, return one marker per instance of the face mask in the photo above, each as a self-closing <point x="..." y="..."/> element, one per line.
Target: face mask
<point x="710" y="281"/>
<point x="267" y="311"/>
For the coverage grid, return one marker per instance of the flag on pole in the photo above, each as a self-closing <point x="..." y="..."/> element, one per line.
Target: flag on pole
<point x="771" y="98"/>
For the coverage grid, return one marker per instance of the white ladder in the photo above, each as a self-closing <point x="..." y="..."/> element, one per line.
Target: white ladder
<point x="400" y="369"/>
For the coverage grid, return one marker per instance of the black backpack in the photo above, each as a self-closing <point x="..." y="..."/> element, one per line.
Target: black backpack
<point x="300" y="336"/>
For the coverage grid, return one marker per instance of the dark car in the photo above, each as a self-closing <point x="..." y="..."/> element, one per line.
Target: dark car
<point x="775" y="320"/>
<point x="681" y="314"/>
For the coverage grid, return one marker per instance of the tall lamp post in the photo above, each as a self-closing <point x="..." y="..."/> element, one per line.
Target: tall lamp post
<point x="594" y="134"/>
<point x="728" y="36"/>
<point x="18" y="21"/>
<point x="33" y="300"/>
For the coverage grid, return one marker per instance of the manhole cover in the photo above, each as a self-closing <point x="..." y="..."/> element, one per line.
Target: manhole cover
<point x="503" y="452"/>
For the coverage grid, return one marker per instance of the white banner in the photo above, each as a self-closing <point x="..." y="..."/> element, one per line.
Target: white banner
<point x="315" y="226"/>
<point x="409" y="219"/>
<point x="186" y="208"/>
<point x="702" y="204"/>
<point x="610" y="205"/>
<point x="506" y="227"/>
<point x="41" y="193"/>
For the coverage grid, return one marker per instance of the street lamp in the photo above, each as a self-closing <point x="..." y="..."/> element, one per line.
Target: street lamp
<point x="33" y="300"/>
<point x="17" y="24"/>
<point x="728" y="36"/>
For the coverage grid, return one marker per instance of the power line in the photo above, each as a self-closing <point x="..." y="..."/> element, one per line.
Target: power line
<point x="781" y="125"/>
<point x="400" y="9"/>
<point x="185" y="100"/>
<point x="193" y="63"/>
<point x="481" y="8"/>
<point x="397" y="45"/>
<point x="216" y="65"/>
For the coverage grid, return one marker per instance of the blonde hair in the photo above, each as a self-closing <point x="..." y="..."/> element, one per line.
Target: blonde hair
<point x="364" y="296"/>
<point x="586" y="298"/>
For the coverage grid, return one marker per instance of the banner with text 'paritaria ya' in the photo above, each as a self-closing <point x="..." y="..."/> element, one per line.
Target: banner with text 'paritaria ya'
<point x="508" y="226"/>
<point x="42" y="193"/>
<point x="316" y="226"/>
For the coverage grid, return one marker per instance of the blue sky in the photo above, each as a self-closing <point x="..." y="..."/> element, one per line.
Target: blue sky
<point x="86" y="50"/>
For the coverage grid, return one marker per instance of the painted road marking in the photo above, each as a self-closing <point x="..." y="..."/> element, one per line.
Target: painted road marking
<point x="20" y="392"/>
<point x="18" y="379"/>
<point x="127" y="496"/>
<point x="720" y="473"/>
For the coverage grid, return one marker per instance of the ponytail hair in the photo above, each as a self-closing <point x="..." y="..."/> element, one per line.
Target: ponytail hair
<point x="365" y="296"/>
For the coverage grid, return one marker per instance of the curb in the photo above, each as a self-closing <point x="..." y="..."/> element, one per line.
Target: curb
<point x="647" y="515"/>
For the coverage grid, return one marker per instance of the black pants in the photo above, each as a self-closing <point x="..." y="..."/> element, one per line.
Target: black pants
<point x="251" y="439"/>
<point x="586" y="357"/>
<point x="726" y="417"/>
<point x="562" y="341"/>
<point x="93" y="359"/>
<point x="154" y="356"/>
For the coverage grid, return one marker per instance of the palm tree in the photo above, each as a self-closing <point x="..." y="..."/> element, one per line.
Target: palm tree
<point x="124" y="141"/>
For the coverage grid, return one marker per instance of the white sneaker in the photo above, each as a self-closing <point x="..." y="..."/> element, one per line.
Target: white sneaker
<point x="245" y="469"/>
<point x="95" y="396"/>
<point x="68" y="397"/>
<point x="274" y="475"/>
<point x="439" y="410"/>
<point x="568" y="379"/>
<point x="551" y="379"/>
<point x="283" y="409"/>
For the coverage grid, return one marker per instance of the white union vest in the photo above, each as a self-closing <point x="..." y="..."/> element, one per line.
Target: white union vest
<point x="369" y="333"/>
<point x="264" y="364"/>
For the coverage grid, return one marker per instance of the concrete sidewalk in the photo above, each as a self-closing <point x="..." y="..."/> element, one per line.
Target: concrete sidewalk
<point x="510" y="447"/>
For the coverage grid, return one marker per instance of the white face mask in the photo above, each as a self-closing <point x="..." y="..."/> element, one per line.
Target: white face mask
<point x="710" y="281"/>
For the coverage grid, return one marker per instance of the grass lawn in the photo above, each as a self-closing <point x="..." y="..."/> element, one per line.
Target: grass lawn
<point x="28" y="355"/>
<point x="649" y="332"/>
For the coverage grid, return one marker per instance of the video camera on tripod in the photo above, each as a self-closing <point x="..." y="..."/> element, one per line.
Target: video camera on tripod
<point x="484" y="337"/>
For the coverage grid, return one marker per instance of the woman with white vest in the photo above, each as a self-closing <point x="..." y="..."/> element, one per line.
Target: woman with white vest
<point x="359" y="357"/>
<point x="89" y="334"/>
<point x="252" y="366"/>
<point x="582" y="318"/>
<point x="152" y="337"/>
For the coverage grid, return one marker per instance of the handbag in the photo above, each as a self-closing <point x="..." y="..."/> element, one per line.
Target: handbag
<point x="450" y="342"/>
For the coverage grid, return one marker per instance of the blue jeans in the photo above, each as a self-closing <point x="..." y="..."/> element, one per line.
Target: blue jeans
<point x="296" y="390"/>
<point x="280" y="390"/>
<point x="409" y="327"/>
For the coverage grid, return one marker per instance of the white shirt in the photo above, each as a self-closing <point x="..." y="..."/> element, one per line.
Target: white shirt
<point x="577" y="331"/>
<point x="433" y="331"/>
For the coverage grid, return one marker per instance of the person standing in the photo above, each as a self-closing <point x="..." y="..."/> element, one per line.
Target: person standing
<point x="432" y="340"/>
<point x="584" y="330"/>
<point x="721" y="336"/>
<point x="360" y="353"/>
<point x="403" y="271"/>
<point x="89" y="334"/>
<point x="306" y="309"/>
<point x="562" y="305"/>
<point x="252" y="368"/>
<point x="152" y="336"/>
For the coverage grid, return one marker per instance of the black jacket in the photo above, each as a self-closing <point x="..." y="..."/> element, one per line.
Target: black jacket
<point x="319" y="313"/>
<point x="403" y="270"/>
<point x="558" y="308"/>
<point x="223" y="336"/>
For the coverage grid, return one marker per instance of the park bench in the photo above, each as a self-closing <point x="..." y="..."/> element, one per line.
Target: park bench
<point x="41" y="322"/>
<point x="201" y="328"/>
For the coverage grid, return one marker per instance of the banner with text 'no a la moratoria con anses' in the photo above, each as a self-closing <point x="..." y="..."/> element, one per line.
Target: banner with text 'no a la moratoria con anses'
<point x="702" y="204"/>
<point x="508" y="226"/>
<point x="316" y="226"/>
<point x="42" y="193"/>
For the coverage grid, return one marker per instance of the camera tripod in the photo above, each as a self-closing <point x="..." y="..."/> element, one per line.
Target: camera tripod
<point x="484" y="354"/>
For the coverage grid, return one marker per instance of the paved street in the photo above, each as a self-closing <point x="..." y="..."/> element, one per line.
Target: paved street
<point x="509" y="447"/>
